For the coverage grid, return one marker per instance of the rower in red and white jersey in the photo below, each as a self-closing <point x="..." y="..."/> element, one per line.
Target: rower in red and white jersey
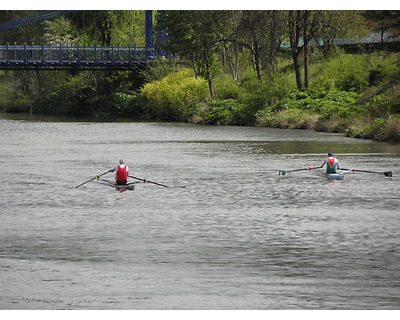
<point x="121" y="173"/>
<point x="332" y="164"/>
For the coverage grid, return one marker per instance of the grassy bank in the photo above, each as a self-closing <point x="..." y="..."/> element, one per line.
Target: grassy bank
<point x="357" y="95"/>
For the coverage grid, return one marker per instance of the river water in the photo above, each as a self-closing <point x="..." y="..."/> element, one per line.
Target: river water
<point x="228" y="233"/>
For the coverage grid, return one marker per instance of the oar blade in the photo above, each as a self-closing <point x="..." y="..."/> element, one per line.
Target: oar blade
<point x="386" y="173"/>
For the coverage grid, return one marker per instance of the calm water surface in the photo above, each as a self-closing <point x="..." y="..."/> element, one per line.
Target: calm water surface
<point x="229" y="233"/>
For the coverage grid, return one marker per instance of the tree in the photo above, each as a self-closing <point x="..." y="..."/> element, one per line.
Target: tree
<point x="295" y="28"/>
<point x="308" y="28"/>
<point x="383" y="20"/>
<point x="196" y="36"/>
<point x="24" y="34"/>
<point x="112" y="27"/>
<point x="59" y="31"/>
<point x="338" y="25"/>
<point x="261" y="33"/>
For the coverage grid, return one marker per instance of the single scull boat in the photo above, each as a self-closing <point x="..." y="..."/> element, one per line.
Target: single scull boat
<point x="329" y="176"/>
<point x="128" y="186"/>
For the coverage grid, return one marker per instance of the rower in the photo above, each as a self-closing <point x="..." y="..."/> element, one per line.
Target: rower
<point x="121" y="174"/>
<point x="331" y="162"/>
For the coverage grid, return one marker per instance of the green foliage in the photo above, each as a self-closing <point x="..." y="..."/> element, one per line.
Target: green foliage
<point x="7" y="92"/>
<point x="158" y="69"/>
<point x="21" y="104"/>
<point x="171" y="97"/>
<point x="394" y="106"/>
<point x="288" y="119"/>
<point x="59" y="31"/>
<point x="112" y="27"/>
<point x="219" y="112"/>
<point x="351" y="82"/>
<point x="373" y="129"/>
<point x="376" y="75"/>
<point x="311" y="109"/>
<point x="348" y="72"/>
<point x="326" y="103"/>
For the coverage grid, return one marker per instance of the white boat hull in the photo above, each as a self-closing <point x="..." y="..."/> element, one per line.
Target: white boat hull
<point x="334" y="176"/>
<point x="128" y="186"/>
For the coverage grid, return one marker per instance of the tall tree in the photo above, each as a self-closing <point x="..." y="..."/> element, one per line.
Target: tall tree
<point x="295" y="18"/>
<point x="196" y="36"/>
<point x="261" y="32"/>
<point x="112" y="27"/>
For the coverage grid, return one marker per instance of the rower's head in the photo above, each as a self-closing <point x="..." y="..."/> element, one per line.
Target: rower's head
<point x="330" y="154"/>
<point x="121" y="161"/>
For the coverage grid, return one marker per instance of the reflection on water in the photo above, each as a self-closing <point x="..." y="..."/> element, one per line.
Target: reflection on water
<point x="239" y="236"/>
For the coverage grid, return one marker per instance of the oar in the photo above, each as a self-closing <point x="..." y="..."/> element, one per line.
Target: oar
<point x="386" y="173"/>
<point x="283" y="172"/>
<point x="96" y="177"/>
<point x="145" y="180"/>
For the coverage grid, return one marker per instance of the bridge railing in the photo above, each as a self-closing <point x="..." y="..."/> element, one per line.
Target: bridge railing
<point x="59" y="55"/>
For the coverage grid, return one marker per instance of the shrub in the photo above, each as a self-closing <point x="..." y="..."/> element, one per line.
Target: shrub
<point x="376" y="75"/>
<point x="20" y="105"/>
<point x="392" y="129"/>
<point x="351" y="82"/>
<point x="394" y="106"/>
<point x="171" y="97"/>
<point x="219" y="112"/>
<point x="226" y="88"/>
<point x="287" y="119"/>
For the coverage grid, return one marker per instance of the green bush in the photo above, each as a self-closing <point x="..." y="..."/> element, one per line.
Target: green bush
<point x="287" y="119"/>
<point x="374" y="129"/>
<point x="19" y="105"/>
<point x="376" y="75"/>
<point x="226" y="88"/>
<point x="394" y="106"/>
<point x="351" y="82"/>
<point x="219" y="112"/>
<point x="171" y="97"/>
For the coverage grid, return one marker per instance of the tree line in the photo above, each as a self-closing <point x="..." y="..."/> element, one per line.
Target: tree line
<point x="210" y="38"/>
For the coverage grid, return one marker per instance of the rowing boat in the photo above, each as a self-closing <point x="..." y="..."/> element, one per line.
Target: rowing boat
<point x="334" y="176"/>
<point x="329" y="176"/>
<point x="128" y="186"/>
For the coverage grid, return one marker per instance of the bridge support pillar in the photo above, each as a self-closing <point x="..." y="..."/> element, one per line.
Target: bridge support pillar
<point x="149" y="33"/>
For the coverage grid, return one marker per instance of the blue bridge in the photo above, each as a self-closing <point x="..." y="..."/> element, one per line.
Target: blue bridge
<point x="66" y="57"/>
<point x="31" y="56"/>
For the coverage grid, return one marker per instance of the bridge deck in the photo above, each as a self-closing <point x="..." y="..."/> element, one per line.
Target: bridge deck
<point x="63" y="57"/>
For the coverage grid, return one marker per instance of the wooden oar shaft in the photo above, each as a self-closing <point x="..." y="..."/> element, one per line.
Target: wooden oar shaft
<point x="145" y="180"/>
<point x="283" y="172"/>
<point x="386" y="173"/>
<point x="96" y="177"/>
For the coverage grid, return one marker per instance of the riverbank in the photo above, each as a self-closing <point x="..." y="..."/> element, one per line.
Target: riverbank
<point x="356" y="95"/>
